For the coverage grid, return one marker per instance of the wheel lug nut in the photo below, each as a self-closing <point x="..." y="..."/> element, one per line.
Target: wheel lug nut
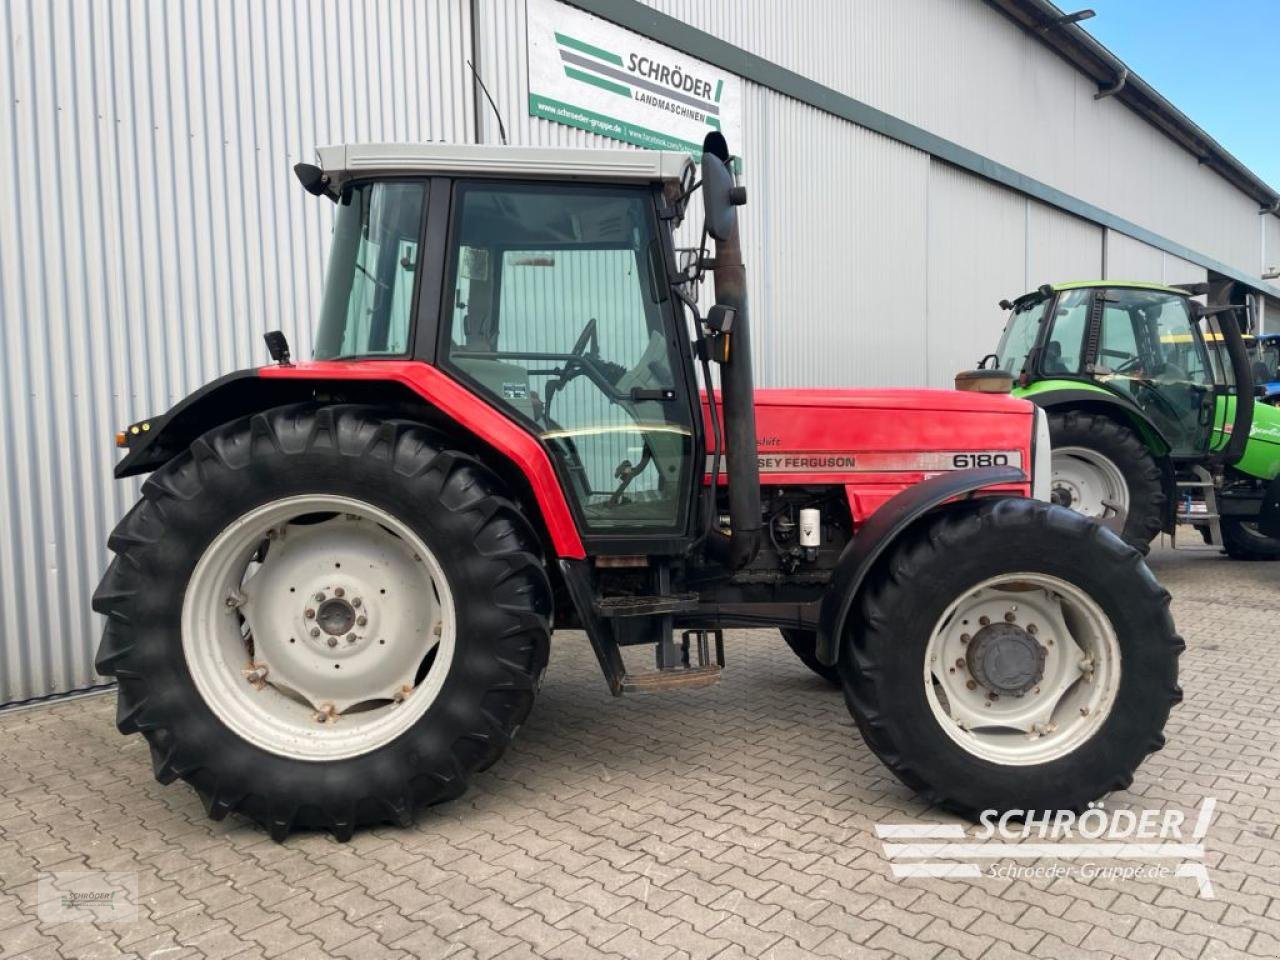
<point x="311" y="614"/>
<point x="972" y="685"/>
<point x="351" y="638"/>
<point x="339" y="592"/>
<point x="1032" y="628"/>
<point x="319" y="598"/>
<point x="361" y="621"/>
<point x="985" y="621"/>
<point x="333" y="641"/>
<point x="356" y="601"/>
<point x="1009" y="617"/>
<point x="315" y="631"/>
<point x="965" y="638"/>
<point x="960" y="662"/>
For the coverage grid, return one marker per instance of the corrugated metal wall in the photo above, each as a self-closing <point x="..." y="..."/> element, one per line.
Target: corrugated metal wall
<point x="156" y="230"/>
<point x="960" y="69"/>
<point x="977" y="256"/>
<point x="152" y="232"/>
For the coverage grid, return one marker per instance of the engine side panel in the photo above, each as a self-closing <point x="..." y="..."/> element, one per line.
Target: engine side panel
<point x="876" y="443"/>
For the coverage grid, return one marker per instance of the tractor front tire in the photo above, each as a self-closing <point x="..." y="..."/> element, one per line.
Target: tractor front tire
<point x="322" y="617"/>
<point x="1092" y="453"/>
<point x="1242" y="541"/>
<point x="1053" y="614"/>
<point x="804" y="644"/>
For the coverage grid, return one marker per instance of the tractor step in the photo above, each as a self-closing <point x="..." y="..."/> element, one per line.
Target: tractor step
<point x="687" y="678"/>
<point x="646" y="606"/>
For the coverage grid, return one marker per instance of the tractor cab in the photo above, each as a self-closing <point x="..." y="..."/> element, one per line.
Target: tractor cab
<point x="1142" y="344"/>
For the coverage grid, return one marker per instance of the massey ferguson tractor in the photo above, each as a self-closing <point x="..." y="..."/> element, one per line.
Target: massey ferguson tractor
<point x="334" y="601"/>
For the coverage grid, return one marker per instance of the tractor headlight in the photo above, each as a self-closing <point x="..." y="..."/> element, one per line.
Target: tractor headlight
<point x="1041" y="458"/>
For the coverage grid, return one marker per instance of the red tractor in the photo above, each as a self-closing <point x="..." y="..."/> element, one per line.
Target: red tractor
<point x="334" y="601"/>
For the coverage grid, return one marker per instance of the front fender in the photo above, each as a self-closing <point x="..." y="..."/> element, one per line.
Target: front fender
<point x="155" y="441"/>
<point x="1079" y="397"/>
<point x="880" y="531"/>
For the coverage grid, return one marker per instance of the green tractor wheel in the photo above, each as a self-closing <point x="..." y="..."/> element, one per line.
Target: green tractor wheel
<point x="1103" y="470"/>
<point x="1243" y="541"/>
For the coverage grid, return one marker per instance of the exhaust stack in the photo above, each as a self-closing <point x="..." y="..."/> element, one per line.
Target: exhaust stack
<point x="737" y="391"/>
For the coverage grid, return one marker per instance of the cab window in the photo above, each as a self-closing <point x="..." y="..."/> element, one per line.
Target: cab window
<point x="373" y="266"/>
<point x="1065" y="345"/>
<point x="558" y="317"/>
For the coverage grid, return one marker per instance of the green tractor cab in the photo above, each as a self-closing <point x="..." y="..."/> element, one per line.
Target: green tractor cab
<point x="1152" y="413"/>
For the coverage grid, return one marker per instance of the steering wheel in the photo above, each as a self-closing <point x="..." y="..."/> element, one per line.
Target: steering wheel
<point x="585" y="338"/>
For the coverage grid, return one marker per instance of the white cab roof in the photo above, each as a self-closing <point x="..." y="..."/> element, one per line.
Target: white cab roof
<point x="641" y="166"/>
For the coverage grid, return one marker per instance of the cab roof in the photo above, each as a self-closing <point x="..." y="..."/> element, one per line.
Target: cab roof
<point x="1045" y="291"/>
<point x="1130" y="284"/>
<point x="345" y="161"/>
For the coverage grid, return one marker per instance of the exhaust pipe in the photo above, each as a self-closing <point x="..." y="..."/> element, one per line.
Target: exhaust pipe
<point x="737" y="391"/>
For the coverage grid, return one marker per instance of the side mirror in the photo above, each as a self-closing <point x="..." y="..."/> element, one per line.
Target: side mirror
<point x="720" y="318"/>
<point x="719" y="193"/>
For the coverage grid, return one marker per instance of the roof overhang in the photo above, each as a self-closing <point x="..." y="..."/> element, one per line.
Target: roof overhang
<point x="347" y="161"/>
<point x="1045" y="22"/>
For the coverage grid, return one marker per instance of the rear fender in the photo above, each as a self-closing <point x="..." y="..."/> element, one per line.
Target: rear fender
<point x="420" y="390"/>
<point x="881" y="531"/>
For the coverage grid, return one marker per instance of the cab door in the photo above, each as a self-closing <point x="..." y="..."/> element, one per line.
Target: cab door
<point x="561" y="317"/>
<point x="1149" y="349"/>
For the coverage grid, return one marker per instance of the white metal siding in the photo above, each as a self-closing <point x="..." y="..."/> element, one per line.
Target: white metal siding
<point x="1060" y="246"/>
<point x="154" y="230"/>
<point x="960" y="69"/>
<point x="977" y="257"/>
<point x="1130" y="259"/>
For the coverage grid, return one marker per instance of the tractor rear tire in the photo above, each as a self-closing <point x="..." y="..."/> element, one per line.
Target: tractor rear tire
<point x="804" y="644"/>
<point x="1117" y="448"/>
<point x="963" y="755"/>
<point x="1243" y="542"/>
<point x="412" y="509"/>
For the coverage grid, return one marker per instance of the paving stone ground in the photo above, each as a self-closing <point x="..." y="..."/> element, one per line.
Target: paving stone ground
<point x="734" y="822"/>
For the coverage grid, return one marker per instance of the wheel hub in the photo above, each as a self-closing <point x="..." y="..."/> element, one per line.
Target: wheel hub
<point x="1006" y="659"/>
<point x="1063" y="495"/>
<point x="338" y="613"/>
<point x="336" y="617"/>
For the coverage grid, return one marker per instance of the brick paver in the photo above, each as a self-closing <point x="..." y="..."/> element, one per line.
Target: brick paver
<point x="725" y="823"/>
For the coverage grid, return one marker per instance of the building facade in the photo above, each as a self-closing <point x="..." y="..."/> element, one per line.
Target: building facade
<point x="909" y="163"/>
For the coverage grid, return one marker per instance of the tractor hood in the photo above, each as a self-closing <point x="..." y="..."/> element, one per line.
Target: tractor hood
<point x="877" y="442"/>
<point x="893" y="399"/>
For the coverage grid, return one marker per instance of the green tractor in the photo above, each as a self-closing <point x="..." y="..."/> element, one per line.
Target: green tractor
<point x="1152" y="413"/>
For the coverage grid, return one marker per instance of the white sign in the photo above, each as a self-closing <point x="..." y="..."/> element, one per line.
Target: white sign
<point x="589" y="73"/>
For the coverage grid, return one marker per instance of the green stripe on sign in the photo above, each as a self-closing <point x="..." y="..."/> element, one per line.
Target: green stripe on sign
<point x="719" y="88"/>
<point x="600" y="82"/>
<point x="588" y="48"/>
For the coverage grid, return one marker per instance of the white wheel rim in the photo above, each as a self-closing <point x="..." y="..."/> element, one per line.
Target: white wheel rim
<point x="1089" y="483"/>
<point x="1071" y="697"/>
<point x="340" y="616"/>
